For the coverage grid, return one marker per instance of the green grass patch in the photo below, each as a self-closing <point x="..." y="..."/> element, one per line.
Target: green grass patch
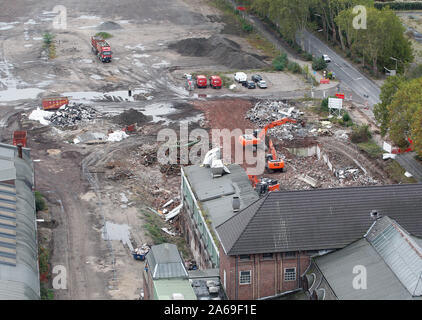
<point x="262" y="44"/>
<point x="153" y="226"/>
<point x="104" y="35"/>
<point x="371" y="148"/>
<point x="40" y="203"/>
<point x="396" y="172"/>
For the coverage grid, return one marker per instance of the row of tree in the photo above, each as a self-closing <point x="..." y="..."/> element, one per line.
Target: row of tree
<point x="400" y="111"/>
<point x="374" y="45"/>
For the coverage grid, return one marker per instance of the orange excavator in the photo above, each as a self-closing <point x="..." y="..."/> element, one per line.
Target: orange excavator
<point x="264" y="185"/>
<point x="273" y="162"/>
<point x="255" y="139"/>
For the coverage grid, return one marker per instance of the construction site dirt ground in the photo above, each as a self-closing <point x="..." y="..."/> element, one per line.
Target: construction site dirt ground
<point x="119" y="184"/>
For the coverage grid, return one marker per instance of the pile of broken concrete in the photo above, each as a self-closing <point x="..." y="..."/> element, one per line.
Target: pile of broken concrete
<point x="72" y="114"/>
<point x="265" y="112"/>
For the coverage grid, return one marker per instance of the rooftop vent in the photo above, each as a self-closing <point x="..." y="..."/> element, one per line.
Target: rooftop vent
<point x="375" y="215"/>
<point x="236" y="204"/>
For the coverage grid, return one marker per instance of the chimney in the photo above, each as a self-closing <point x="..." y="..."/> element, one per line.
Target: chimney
<point x="236" y="204"/>
<point x="19" y="150"/>
<point x="375" y="215"/>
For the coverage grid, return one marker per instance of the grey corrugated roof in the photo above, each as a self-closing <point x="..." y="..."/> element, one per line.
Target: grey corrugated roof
<point x="318" y="219"/>
<point x="19" y="275"/>
<point x="164" y="261"/>
<point x="384" y="280"/>
<point x="400" y="252"/>
<point x="216" y="194"/>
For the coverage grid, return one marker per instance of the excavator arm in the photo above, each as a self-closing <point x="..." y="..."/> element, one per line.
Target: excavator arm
<point x="273" y="124"/>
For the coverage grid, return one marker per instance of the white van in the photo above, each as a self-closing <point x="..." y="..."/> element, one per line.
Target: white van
<point x="240" y="77"/>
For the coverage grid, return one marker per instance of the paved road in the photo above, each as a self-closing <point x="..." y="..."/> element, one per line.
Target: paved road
<point x="345" y="72"/>
<point x="408" y="161"/>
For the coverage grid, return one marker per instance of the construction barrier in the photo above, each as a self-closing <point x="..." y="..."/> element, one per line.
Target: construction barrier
<point x="325" y="81"/>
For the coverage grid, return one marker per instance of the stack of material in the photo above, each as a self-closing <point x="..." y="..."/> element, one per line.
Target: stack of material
<point x="142" y="250"/>
<point x="72" y="114"/>
<point x="265" y="112"/>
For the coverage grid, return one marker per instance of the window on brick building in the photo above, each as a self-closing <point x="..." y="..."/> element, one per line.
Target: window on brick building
<point x="267" y="256"/>
<point x="289" y="274"/>
<point x="245" y="277"/>
<point x="289" y="255"/>
<point x="245" y="257"/>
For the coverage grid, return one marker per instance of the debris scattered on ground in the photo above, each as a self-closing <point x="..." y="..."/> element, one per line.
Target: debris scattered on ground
<point x="265" y="112"/>
<point x="72" y="114"/>
<point x="117" y="136"/>
<point x="90" y="138"/>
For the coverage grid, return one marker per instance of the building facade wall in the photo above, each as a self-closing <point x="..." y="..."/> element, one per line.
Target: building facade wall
<point x="267" y="274"/>
<point x="196" y="231"/>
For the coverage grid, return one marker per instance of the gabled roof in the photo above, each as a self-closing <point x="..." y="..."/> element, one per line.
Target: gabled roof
<point x="318" y="219"/>
<point x="165" y="262"/>
<point x="392" y="261"/>
<point x="216" y="194"/>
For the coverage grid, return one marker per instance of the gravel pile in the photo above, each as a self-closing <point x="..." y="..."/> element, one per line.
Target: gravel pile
<point x="131" y="116"/>
<point x="222" y="50"/>
<point x="72" y="114"/>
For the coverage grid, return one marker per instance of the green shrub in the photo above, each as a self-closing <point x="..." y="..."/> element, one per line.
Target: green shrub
<point x="104" y="35"/>
<point x="319" y="64"/>
<point x="324" y="105"/>
<point x="346" y="117"/>
<point x="361" y="134"/>
<point x="307" y="56"/>
<point x="280" y="62"/>
<point x="294" y="67"/>
<point x="40" y="204"/>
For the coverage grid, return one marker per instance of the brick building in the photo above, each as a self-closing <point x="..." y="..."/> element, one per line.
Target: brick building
<point x="207" y="202"/>
<point x="266" y="248"/>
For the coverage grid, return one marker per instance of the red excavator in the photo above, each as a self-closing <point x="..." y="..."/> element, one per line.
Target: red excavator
<point x="256" y="138"/>
<point x="273" y="162"/>
<point x="264" y="185"/>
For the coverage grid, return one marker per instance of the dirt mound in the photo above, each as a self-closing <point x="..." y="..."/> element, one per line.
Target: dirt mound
<point x="109" y="25"/>
<point x="220" y="49"/>
<point x="131" y="116"/>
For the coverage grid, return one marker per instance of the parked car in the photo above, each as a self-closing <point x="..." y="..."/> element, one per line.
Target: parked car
<point x="262" y="84"/>
<point x="240" y="77"/>
<point x="326" y="58"/>
<point x="251" y="85"/>
<point x="256" y="78"/>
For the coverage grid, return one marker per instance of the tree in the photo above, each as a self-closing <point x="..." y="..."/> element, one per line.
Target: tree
<point x="405" y="115"/>
<point x="280" y="62"/>
<point x="388" y="90"/>
<point x="319" y="64"/>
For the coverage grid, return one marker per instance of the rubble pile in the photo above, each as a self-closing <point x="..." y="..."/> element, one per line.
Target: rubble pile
<point x="72" y="114"/>
<point x="265" y="112"/>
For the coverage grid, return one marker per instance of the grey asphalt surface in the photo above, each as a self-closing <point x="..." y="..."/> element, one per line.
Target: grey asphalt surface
<point x="408" y="161"/>
<point x="344" y="71"/>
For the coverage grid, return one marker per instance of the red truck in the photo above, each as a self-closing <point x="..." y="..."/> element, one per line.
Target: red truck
<point x="54" y="103"/>
<point x="201" y="81"/>
<point x="101" y="48"/>
<point x="19" y="137"/>
<point x="215" y="82"/>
